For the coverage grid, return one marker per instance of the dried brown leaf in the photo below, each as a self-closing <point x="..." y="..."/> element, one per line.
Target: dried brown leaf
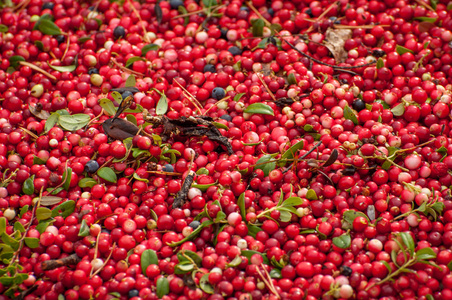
<point x="38" y="112"/>
<point x="335" y="41"/>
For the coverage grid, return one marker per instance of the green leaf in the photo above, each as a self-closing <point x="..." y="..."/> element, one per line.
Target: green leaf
<point x="205" y="285"/>
<point x="137" y="177"/>
<point x="84" y="39"/>
<point x="342" y="241"/>
<point x="84" y="229"/>
<point x="28" y="188"/>
<point x="239" y="96"/>
<point x="31" y="242"/>
<point x="265" y="164"/>
<point x="2" y="225"/>
<point x="350" y="115"/>
<point x="291" y="79"/>
<point x="87" y="182"/>
<point x="148" y="257"/>
<point x="192" y="255"/>
<point x="23" y="210"/>
<point x="241" y="205"/>
<point x="108" y="106"/>
<point x="65" y="209"/>
<point x="46" y="26"/>
<point x="263" y="43"/>
<point x="292" y="201"/>
<point x="70" y="68"/>
<point x="398" y="110"/>
<point x="117" y="97"/>
<point x="132" y="119"/>
<point x="73" y="122"/>
<point x="51" y="121"/>
<point x="258" y="27"/>
<point x="220" y="125"/>
<point x="67" y="176"/>
<point x="14" y="61"/>
<point x="162" y="105"/>
<point x="162" y="287"/>
<point x="137" y="152"/>
<point x="275" y="273"/>
<point x="438" y="207"/>
<point x="43" y="213"/>
<point x="149" y="47"/>
<point x="10" y="241"/>
<point x="285" y="216"/>
<point x="38" y="161"/>
<point x="3" y="28"/>
<point x="133" y="59"/>
<point x="311" y="195"/>
<point x="449" y="265"/>
<point x="202" y="171"/>
<point x="7" y="281"/>
<point x="425" y="19"/>
<point x="203" y="187"/>
<point x="380" y="63"/>
<point x="290" y="153"/>
<point x="402" y="50"/>
<point x="183" y="267"/>
<point x="259" y="108"/>
<point x="426" y="254"/>
<point x="434" y="3"/>
<point x="42" y="226"/>
<point x="350" y="215"/>
<point x="220" y="217"/>
<point x="253" y="230"/>
<point x="19" y="227"/>
<point x="249" y="253"/>
<point x="107" y="174"/>
<point x="192" y="235"/>
<point x="235" y="262"/>
<point x="308" y="128"/>
<point x="408" y="241"/>
<point x="131" y="81"/>
<point x="209" y="3"/>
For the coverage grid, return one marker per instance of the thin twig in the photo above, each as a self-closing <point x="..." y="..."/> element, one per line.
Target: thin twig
<point x="193" y="99"/>
<point x="38" y="69"/>
<point x="106" y="261"/>
<point x="145" y="33"/>
<point x="125" y="68"/>
<point x="266" y="87"/>
<point x="422" y="3"/>
<point x="325" y="12"/>
<point x="251" y="6"/>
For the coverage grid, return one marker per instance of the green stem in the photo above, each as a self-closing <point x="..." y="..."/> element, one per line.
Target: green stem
<point x="395" y="273"/>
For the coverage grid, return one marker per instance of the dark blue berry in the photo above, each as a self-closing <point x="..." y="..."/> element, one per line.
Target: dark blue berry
<point x="176" y="3"/>
<point x="119" y="32"/>
<point x="194" y="224"/>
<point x="226" y="117"/>
<point x="93" y="71"/>
<point x="359" y="105"/>
<point x="209" y="68"/>
<point x="126" y="94"/>
<point x="234" y="50"/>
<point x="133" y="293"/>
<point x="59" y="38"/>
<point x="91" y="166"/>
<point x="48" y="5"/>
<point x="218" y="93"/>
<point x="168" y="168"/>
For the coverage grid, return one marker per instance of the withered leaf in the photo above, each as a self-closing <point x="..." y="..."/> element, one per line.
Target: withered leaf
<point x="335" y="41"/>
<point x="131" y="89"/>
<point x="158" y="12"/>
<point x="38" y="112"/>
<point x="331" y="159"/>
<point x="119" y="129"/>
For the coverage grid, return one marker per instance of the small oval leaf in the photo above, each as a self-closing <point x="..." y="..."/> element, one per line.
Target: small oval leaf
<point x="108" y="106"/>
<point x="148" y="257"/>
<point x="133" y="59"/>
<point x="162" y="287"/>
<point x="149" y="47"/>
<point x="73" y="122"/>
<point x="342" y="241"/>
<point x="107" y="174"/>
<point x="402" y="50"/>
<point x="350" y="115"/>
<point x="398" y="110"/>
<point x="87" y="182"/>
<point x="31" y="242"/>
<point x="43" y="213"/>
<point x="46" y="26"/>
<point x="70" y="68"/>
<point x="259" y="108"/>
<point x="162" y="105"/>
<point x="50" y="200"/>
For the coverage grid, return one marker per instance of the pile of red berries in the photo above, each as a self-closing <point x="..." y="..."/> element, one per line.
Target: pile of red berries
<point x="208" y="149"/>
